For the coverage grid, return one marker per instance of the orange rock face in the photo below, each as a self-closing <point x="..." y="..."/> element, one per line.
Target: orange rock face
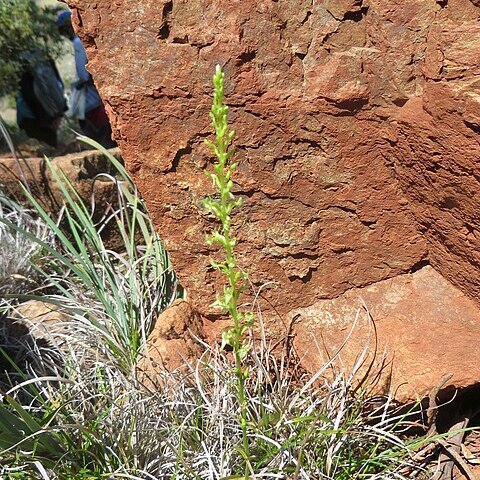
<point x="424" y="329"/>
<point x="357" y="135"/>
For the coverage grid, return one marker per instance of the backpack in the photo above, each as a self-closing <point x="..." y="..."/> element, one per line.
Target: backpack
<point x="48" y="88"/>
<point x="24" y="112"/>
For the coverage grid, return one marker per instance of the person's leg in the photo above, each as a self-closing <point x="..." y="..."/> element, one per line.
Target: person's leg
<point x="99" y="127"/>
<point x="45" y="133"/>
<point x="105" y="137"/>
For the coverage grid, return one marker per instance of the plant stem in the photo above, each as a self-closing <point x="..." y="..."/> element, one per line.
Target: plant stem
<point x="221" y="177"/>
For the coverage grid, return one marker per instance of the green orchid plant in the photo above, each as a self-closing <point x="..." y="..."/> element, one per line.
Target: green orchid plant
<point x="221" y="206"/>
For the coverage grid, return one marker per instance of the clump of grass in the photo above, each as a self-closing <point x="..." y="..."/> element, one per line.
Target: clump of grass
<point x="18" y="253"/>
<point x="95" y="421"/>
<point x="120" y="292"/>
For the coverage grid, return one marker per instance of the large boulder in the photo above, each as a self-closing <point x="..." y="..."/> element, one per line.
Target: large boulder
<point x="357" y="135"/>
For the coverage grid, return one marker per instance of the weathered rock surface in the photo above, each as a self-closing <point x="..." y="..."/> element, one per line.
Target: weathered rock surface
<point x="84" y="170"/>
<point x="173" y="340"/>
<point x="80" y="169"/>
<point x="425" y="329"/>
<point x="357" y="135"/>
<point x="34" y="335"/>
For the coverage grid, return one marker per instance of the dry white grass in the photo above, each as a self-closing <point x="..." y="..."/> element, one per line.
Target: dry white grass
<point x="18" y="253"/>
<point x="105" y="424"/>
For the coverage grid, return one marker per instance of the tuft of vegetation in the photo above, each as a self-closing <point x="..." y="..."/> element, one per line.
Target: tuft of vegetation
<point x="120" y="293"/>
<point x="93" y="421"/>
<point x="18" y="253"/>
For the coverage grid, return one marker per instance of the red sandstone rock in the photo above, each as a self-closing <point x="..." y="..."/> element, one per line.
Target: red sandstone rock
<point x="357" y="135"/>
<point x="322" y="212"/>
<point x="426" y="328"/>
<point x="81" y="169"/>
<point x="340" y="8"/>
<point x="173" y="340"/>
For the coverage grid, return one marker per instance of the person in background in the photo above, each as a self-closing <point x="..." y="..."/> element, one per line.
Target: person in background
<point x="95" y="124"/>
<point x="41" y="101"/>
